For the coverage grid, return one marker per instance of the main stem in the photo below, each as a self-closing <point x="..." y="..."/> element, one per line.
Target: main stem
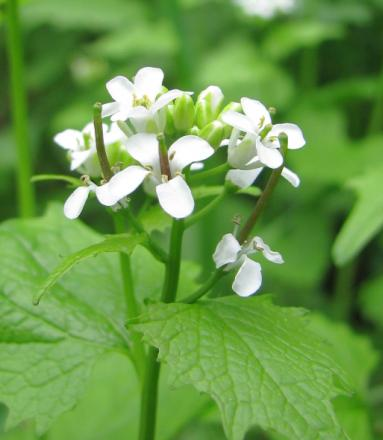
<point x="152" y="371"/>
<point x="26" y="197"/>
<point x="132" y="308"/>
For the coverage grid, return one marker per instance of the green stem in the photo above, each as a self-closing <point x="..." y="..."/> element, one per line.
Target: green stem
<point x="26" y="196"/>
<point x="206" y="209"/>
<point x="265" y="196"/>
<point x="152" y="246"/>
<point x="203" y="175"/>
<point x="132" y="308"/>
<point x="205" y="288"/>
<point x="343" y="295"/>
<point x="152" y="371"/>
<point x="100" y="145"/>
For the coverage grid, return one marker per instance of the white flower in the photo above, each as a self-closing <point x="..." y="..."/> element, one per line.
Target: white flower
<point x="82" y="144"/>
<point x="173" y="192"/>
<point x="139" y="100"/>
<point x="260" y="145"/>
<point x="230" y="254"/>
<point x="266" y="8"/>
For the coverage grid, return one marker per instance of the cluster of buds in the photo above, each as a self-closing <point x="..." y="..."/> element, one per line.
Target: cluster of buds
<point x="156" y="134"/>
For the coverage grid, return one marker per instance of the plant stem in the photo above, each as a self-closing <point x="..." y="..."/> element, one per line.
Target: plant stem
<point x="100" y="145"/>
<point x="206" y="209"/>
<point x="203" y="175"/>
<point x="265" y="196"/>
<point x="153" y="247"/>
<point x="26" y="196"/>
<point x="343" y="295"/>
<point x="215" y="276"/>
<point x="152" y="371"/>
<point x="132" y="308"/>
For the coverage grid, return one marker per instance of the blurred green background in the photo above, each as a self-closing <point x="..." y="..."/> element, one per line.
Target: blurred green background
<point x="320" y="64"/>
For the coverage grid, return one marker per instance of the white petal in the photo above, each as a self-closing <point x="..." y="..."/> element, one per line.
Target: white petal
<point x="271" y="157"/>
<point x="76" y="201"/>
<point x="238" y="121"/>
<point x="243" y="178"/>
<point x="241" y="154"/>
<point x="167" y="97"/>
<point x="110" y="108"/>
<point x="69" y="139"/>
<point x="256" y="112"/>
<point x="291" y="177"/>
<point x="214" y="95"/>
<point x="143" y="147"/>
<point x="148" y="81"/>
<point x="274" y="257"/>
<point x="79" y="157"/>
<point x="120" y="185"/>
<point x="187" y="150"/>
<point x="175" y="197"/>
<point x="226" y="251"/>
<point x="248" y="279"/>
<point x="121" y="89"/>
<point x="197" y="166"/>
<point x="294" y="135"/>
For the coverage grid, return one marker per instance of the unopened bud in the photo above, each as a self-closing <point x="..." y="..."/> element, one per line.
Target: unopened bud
<point x="232" y="106"/>
<point x="214" y="133"/>
<point x="195" y="131"/>
<point x="208" y="106"/>
<point x="169" y="126"/>
<point x="183" y="114"/>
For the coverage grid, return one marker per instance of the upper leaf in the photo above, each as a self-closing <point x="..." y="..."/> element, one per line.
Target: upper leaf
<point x="259" y="362"/>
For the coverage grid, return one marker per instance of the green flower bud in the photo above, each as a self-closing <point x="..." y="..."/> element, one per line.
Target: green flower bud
<point x="195" y="131"/>
<point x="214" y="133"/>
<point x="183" y="114"/>
<point x="235" y="107"/>
<point x="208" y="106"/>
<point x="170" y="129"/>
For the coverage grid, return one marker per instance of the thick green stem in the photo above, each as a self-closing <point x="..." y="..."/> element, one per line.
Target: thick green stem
<point x="26" y="197"/>
<point x="100" y="145"/>
<point x="206" y="209"/>
<point x="152" y="371"/>
<point x="205" y="288"/>
<point x="265" y="196"/>
<point x="203" y="175"/>
<point x="343" y="290"/>
<point x="132" y="308"/>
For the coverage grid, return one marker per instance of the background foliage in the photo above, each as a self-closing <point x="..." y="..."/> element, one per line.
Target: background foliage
<point x="321" y="67"/>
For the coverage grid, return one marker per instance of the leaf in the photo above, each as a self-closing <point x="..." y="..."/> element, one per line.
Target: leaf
<point x="48" y="353"/>
<point x="371" y="299"/>
<point x="258" y="361"/>
<point x="116" y="243"/>
<point x="365" y="219"/>
<point x="61" y="177"/>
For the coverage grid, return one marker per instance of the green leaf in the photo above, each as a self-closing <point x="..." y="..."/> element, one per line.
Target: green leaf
<point x="366" y="218"/>
<point x="116" y="243"/>
<point x="47" y="353"/>
<point x="371" y="298"/>
<point x="259" y="362"/>
<point x="74" y="181"/>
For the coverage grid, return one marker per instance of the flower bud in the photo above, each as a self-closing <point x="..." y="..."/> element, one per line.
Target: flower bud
<point x="169" y="126"/>
<point x="214" y="133"/>
<point x="235" y="107"/>
<point x="208" y="105"/>
<point x="183" y="114"/>
<point x="195" y="131"/>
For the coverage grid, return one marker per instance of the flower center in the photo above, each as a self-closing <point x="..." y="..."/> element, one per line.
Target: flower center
<point x="144" y="101"/>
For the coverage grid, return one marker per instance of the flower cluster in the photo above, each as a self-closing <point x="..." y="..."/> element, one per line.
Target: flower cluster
<point x="156" y="136"/>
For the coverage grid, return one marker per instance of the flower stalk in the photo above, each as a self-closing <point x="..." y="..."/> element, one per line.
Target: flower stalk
<point x="100" y="145"/>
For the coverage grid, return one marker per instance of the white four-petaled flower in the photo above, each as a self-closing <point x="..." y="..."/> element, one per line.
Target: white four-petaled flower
<point x="140" y="100"/>
<point x="81" y="145"/>
<point x="230" y="254"/>
<point x="260" y="145"/>
<point x="174" y="194"/>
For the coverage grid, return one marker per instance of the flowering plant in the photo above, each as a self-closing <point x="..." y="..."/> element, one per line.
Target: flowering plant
<point x="256" y="360"/>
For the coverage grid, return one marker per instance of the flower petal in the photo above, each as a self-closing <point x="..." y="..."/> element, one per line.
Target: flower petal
<point x="120" y="185"/>
<point x="271" y="157"/>
<point x="79" y="157"/>
<point x="293" y="132"/>
<point x="186" y="150"/>
<point x="243" y="178"/>
<point x="238" y="121"/>
<point x="121" y="89"/>
<point x="76" y="201"/>
<point x="226" y="251"/>
<point x="248" y="279"/>
<point x="291" y="177"/>
<point x="256" y="112"/>
<point x="110" y="108"/>
<point x="148" y="81"/>
<point x="274" y="257"/>
<point x="241" y="154"/>
<point x="143" y="147"/>
<point x="69" y="139"/>
<point x="167" y="97"/>
<point x="175" y="197"/>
